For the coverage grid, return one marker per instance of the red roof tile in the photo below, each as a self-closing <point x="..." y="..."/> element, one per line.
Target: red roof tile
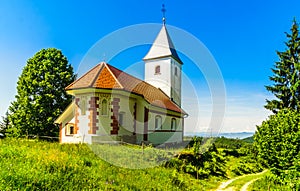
<point x="108" y="77"/>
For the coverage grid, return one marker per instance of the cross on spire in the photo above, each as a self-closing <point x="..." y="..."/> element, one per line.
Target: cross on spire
<point x="163" y="10"/>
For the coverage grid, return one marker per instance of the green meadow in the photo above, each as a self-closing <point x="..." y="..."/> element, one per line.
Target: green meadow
<point x="39" y="165"/>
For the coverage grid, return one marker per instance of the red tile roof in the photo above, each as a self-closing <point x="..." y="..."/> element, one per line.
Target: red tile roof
<point x="105" y="76"/>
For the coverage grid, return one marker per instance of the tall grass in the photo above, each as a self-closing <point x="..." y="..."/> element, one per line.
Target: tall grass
<point x="34" y="165"/>
<point x="270" y="182"/>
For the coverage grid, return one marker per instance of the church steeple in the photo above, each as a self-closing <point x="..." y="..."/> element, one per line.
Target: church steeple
<point x="162" y="47"/>
<point x="163" y="65"/>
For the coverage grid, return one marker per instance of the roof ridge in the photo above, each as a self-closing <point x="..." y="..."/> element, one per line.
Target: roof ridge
<point x="138" y="79"/>
<point x="102" y="64"/>
<point x="123" y="72"/>
<point x="83" y="75"/>
<point x="105" y="64"/>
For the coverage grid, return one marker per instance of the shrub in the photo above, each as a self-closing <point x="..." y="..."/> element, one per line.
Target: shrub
<point x="278" y="143"/>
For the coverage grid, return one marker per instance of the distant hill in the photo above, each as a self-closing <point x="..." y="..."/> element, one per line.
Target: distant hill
<point x="248" y="139"/>
<point x="238" y="135"/>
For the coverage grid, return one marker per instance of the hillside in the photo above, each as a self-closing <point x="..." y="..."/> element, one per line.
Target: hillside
<point x="34" y="165"/>
<point x="37" y="165"/>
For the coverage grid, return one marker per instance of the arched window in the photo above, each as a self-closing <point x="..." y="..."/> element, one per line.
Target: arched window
<point x="173" y="124"/>
<point x="157" y="69"/>
<point x="158" y="122"/>
<point x="104" y="107"/>
<point x="175" y="71"/>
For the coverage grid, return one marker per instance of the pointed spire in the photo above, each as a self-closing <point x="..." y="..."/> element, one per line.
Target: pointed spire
<point x="162" y="47"/>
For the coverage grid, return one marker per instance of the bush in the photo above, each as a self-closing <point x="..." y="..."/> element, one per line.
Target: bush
<point x="246" y="165"/>
<point x="198" y="164"/>
<point x="278" y="143"/>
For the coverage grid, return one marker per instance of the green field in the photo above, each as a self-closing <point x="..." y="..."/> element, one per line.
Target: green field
<point x="39" y="165"/>
<point x="34" y="165"/>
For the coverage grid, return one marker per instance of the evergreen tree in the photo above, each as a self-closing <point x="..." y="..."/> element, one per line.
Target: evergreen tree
<point x="4" y="123"/>
<point x="286" y="78"/>
<point x="40" y="95"/>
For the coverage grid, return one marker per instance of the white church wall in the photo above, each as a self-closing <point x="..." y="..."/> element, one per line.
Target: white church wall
<point x="176" y="81"/>
<point x="104" y="119"/>
<point x="126" y="109"/>
<point x="162" y="79"/>
<point x="140" y="120"/>
<point x="64" y="137"/>
<point x="83" y="117"/>
<point x="165" y="134"/>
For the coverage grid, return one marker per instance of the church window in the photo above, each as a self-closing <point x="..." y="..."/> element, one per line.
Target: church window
<point x="104" y="107"/>
<point x="173" y="124"/>
<point x="157" y="70"/>
<point x="175" y="71"/>
<point x="70" y="129"/>
<point x="158" y="122"/>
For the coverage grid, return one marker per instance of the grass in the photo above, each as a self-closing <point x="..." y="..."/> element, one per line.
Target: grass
<point x="133" y="157"/>
<point x="35" y="165"/>
<point x="268" y="183"/>
<point x="239" y="182"/>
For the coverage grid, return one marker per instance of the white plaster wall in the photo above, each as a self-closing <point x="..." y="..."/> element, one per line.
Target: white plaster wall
<point x="176" y="81"/>
<point x="64" y="137"/>
<point x="167" y="81"/>
<point x="166" y="122"/>
<point x="140" y="120"/>
<point x="126" y="106"/>
<point x="104" y="121"/>
<point x="162" y="80"/>
<point x="158" y="137"/>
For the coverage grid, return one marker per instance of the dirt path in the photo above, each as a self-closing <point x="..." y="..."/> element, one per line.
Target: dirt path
<point x="245" y="186"/>
<point x="223" y="186"/>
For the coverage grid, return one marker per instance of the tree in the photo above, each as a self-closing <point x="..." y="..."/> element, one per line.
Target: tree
<point x="41" y="97"/>
<point x="278" y="143"/>
<point x="286" y="78"/>
<point x="4" y="123"/>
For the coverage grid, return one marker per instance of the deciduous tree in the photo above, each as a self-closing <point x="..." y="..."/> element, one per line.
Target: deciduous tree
<point x="41" y="97"/>
<point x="278" y="143"/>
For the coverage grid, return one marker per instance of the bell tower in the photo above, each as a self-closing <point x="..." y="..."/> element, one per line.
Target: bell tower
<point x="163" y="65"/>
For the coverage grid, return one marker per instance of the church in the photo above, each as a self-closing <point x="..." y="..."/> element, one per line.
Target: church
<point x="112" y="106"/>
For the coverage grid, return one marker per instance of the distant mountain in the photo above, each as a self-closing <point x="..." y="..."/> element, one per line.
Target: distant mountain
<point x="238" y="135"/>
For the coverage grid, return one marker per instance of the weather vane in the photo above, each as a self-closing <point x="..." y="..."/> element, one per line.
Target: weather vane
<point x="163" y="10"/>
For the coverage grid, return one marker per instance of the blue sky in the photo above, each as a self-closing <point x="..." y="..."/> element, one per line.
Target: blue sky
<point x="243" y="37"/>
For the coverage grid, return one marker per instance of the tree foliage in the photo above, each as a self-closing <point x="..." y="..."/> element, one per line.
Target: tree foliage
<point x="4" y="123"/>
<point x="286" y="78"/>
<point x="40" y="95"/>
<point x="278" y="143"/>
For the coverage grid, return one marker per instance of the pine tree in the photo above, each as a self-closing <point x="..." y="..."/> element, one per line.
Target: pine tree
<point x="40" y="95"/>
<point x="4" y="123"/>
<point x="286" y="78"/>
